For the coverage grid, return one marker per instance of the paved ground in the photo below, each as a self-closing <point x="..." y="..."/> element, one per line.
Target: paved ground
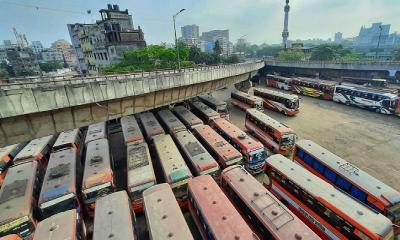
<point x="369" y="140"/>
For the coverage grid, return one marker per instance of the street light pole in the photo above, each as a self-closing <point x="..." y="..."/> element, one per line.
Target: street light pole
<point x="176" y="39"/>
<point x="379" y="41"/>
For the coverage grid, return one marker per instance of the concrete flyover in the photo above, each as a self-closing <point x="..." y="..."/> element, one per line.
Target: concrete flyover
<point x="384" y="69"/>
<point x="35" y="108"/>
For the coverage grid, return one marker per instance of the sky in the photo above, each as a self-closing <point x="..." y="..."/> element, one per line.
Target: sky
<point x="261" y="21"/>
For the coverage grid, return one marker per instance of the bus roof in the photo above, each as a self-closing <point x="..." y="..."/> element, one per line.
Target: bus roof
<point x="392" y="93"/>
<point x="245" y="95"/>
<point x="97" y="164"/>
<point x="131" y="130"/>
<point x="355" y="175"/>
<point x="285" y="224"/>
<point x="59" y="226"/>
<point x="139" y="165"/>
<point x="186" y="116"/>
<point x="35" y="148"/>
<point x="150" y="124"/>
<point x="218" y="143"/>
<point x="278" y="76"/>
<point x="8" y="153"/>
<point x="163" y="215"/>
<point x="222" y="217"/>
<point x="206" y="110"/>
<point x="113" y="217"/>
<point x="317" y="81"/>
<point x="210" y="99"/>
<point x="169" y="120"/>
<point x="66" y="138"/>
<point x="170" y="158"/>
<point x="200" y="158"/>
<point x="237" y="134"/>
<point x="320" y="189"/>
<point x="269" y="121"/>
<point x="16" y="192"/>
<point x="96" y="131"/>
<point x="291" y="97"/>
<point x="60" y="175"/>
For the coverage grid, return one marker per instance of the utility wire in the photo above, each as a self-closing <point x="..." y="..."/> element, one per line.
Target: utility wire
<point x="37" y="7"/>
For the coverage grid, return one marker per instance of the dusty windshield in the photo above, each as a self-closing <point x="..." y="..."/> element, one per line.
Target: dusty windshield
<point x="394" y="213"/>
<point x="288" y="140"/>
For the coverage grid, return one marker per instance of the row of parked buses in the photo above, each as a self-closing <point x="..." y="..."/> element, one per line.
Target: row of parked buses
<point x="378" y="99"/>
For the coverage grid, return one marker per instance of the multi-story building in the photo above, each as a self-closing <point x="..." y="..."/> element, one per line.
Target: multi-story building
<point x="3" y="55"/>
<point x="190" y="35"/>
<point x="51" y="55"/>
<point x="104" y="42"/>
<point x="22" y="42"/>
<point x="37" y="47"/>
<point x="23" y="61"/>
<point x="223" y="38"/>
<point x="338" y="37"/>
<point x="67" y="52"/>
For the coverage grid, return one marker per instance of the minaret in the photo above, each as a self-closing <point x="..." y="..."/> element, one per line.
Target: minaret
<point x="285" y="33"/>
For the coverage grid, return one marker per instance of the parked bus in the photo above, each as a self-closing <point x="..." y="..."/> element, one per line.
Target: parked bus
<point x="7" y="154"/>
<point x="204" y="112"/>
<point x="36" y="150"/>
<point x="59" y="192"/>
<point x="280" y="82"/>
<point x="217" y="146"/>
<point x="174" y="169"/>
<point x="190" y="120"/>
<point x="258" y="205"/>
<point x="131" y="130"/>
<point x="170" y="122"/>
<point x="213" y="213"/>
<point x="313" y="87"/>
<point x="151" y="127"/>
<point x="63" y="225"/>
<point x="217" y="105"/>
<point x="96" y="131"/>
<point x="374" y="82"/>
<point x="199" y="160"/>
<point x="11" y="237"/>
<point x="98" y="176"/>
<point x="352" y="180"/>
<point x="244" y="101"/>
<point x="273" y="134"/>
<point x="331" y="213"/>
<point x="252" y="150"/>
<point x="69" y="139"/>
<point x="140" y="173"/>
<point x="164" y="218"/>
<point x="378" y="100"/>
<point x="114" y="218"/>
<point x="18" y="200"/>
<point x="287" y="104"/>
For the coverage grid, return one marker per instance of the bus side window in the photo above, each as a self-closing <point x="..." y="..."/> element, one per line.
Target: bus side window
<point x="308" y="159"/>
<point x="343" y="184"/>
<point x="319" y="167"/>
<point x="358" y="193"/>
<point x="330" y="175"/>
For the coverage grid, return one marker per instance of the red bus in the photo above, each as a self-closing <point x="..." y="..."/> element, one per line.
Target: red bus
<point x="314" y="87"/>
<point x="140" y="173"/>
<point x="273" y="134"/>
<point x="7" y="154"/>
<point x="98" y="177"/>
<point x="18" y="200"/>
<point x="350" y="179"/>
<point x="69" y="139"/>
<point x="63" y="225"/>
<point x="271" y="218"/>
<point x="198" y="158"/>
<point x="219" y="148"/>
<point x="213" y="213"/>
<point x="114" y="218"/>
<point x="217" y="105"/>
<point x="170" y="121"/>
<point x="58" y="191"/>
<point x="164" y="218"/>
<point x="190" y="120"/>
<point x="252" y="150"/>
<point x="151" y="127"/>
<point x="280" y="82"/>
<point x="36" y="150"/>
<point x="96" y="131"/>
<point x="11" y="237"/>
<point x="287" y="104"/>
<point x="204" y="112"/>
<point x="331" y="213"/>
<point x="131" y="130"/>
<point x="244" y="101"/>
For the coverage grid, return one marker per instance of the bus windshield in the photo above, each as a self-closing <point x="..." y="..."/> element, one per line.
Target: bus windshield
<point x="394" y="214"/>
<point x="288" y="140"/>
<point x="294" y="104"/>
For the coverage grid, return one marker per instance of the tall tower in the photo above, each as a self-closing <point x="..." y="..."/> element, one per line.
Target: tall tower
<point x="285" y="33"/>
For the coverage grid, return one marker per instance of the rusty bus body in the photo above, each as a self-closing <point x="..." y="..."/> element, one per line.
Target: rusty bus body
<point x="131" y="130"/>
<point x="190" y="120"/>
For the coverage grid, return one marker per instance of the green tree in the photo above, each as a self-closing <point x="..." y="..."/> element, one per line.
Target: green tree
<point x="291" y="55"/>
<point x="231" y="59"/>
<point x="50" y="66"/>
<point x="217" y="48"/>
<point x="324" y="52"/>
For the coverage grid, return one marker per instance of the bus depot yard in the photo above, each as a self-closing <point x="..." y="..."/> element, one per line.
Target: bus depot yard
<point x="176" y="170"/>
